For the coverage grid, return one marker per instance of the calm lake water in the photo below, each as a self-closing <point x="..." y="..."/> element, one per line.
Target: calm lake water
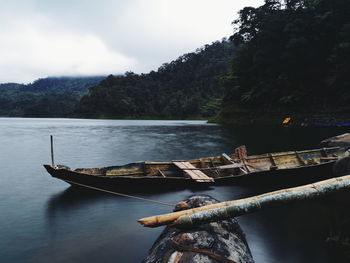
<point x="43" y="219"/>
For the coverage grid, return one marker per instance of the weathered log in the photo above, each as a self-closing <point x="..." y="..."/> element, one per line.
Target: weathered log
<point x="342" y="166"/>
<point x="215" y="242"/>
<point x="225" y="210"/>
<point x="342" y="140"/>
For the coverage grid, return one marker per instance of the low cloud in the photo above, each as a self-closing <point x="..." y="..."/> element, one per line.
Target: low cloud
<point x="45" y="38"/>
<point x="29" y="51"/>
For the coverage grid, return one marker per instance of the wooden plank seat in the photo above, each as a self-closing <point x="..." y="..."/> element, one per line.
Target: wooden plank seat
<point x="193" y="172"/>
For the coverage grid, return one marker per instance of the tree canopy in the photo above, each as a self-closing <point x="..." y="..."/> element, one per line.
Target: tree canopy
<point x="293" y="55"/>
<point x="47" y="97"/>
<point x="188" y="87"/>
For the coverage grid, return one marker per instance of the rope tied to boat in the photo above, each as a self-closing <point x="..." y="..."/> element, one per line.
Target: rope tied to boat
<point x="121" y="194"/>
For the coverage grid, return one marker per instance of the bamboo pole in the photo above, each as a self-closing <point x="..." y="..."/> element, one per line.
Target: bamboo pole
<point x="52" y="156"/>
<point x="225" y="210"/>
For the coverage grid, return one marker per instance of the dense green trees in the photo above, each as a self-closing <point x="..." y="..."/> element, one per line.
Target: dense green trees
<point x="48" y="97"/>
<point x="188" y="87"/>
<point x="293" y="55"/>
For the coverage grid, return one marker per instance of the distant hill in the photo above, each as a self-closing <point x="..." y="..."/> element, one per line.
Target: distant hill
<point x="188" y="87"/>
<point x="47" y="97"/>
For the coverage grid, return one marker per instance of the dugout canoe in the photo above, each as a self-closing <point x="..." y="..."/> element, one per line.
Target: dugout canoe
<point x="282" y="167"/>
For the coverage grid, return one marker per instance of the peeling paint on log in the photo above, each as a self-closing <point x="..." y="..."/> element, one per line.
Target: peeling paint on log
<point x="222" y="241"/>
<point x="263" y="201"/>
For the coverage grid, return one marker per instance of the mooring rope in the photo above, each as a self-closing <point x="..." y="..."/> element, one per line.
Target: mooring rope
<point x="121" y="194"/>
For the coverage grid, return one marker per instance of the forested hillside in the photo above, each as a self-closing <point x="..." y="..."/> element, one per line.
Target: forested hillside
<point x="48" y="97"/>
<point x="293" y="57"/>
<point x="188" y="87"/>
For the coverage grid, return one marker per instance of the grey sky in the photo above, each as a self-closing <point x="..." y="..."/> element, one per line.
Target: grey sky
<point x="42" y="38"/>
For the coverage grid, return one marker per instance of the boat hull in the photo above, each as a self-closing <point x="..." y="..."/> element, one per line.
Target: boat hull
<point x="143" y="184"/>
<point x="279" y="177"/>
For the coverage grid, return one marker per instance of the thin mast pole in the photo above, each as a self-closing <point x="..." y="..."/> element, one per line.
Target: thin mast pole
<point x="52" y="157"/>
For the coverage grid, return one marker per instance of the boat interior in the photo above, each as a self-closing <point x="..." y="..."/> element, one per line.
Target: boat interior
<point x="207" y="169"/>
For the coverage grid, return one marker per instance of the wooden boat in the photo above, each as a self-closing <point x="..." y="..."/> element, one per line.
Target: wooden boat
<point x="226" y="169"/>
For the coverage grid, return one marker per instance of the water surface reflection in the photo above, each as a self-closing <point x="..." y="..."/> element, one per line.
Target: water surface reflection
<point x="44" y="220"/>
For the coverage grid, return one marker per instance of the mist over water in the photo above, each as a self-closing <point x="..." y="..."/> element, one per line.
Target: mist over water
<point x="45" y="220"/>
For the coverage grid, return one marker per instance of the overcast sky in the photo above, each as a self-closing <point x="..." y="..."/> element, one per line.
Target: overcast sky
<point x="40" y="38"/>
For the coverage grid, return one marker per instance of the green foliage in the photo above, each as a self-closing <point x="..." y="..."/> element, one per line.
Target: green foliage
<point x="292" y="55"/>
<point x="212" y="106"/>
<point x="48" y="97"/>
<point x="188" y="87"/>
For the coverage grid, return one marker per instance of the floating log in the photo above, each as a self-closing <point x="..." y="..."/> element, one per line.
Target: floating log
<point x="341" y="167"/>
<point x="342" y="140"/>
<point x="211" y="243"/>
<point x="230" y="209"/>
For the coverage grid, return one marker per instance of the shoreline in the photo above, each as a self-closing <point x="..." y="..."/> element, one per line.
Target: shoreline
<point x="106" y="118"/>
<point x="239" y="117"/>
<point x="282" y="118"/>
